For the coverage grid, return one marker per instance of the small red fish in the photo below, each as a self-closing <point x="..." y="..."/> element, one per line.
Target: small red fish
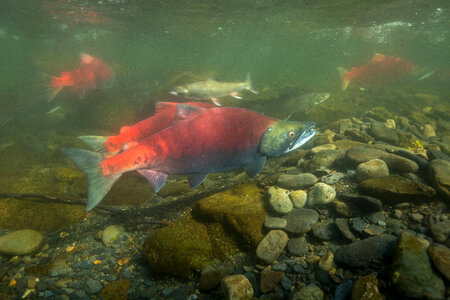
<point x="382" y="69"/>
<point x="92" y="74"/>
<point x="201" y="141"/>
<point x="130" y="135"/>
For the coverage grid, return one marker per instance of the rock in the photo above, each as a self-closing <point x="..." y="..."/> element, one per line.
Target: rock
<point x="58" y="269"/>
<point x="299" y="198"/>
<point x="436" y="154"/>
<point x="440" y="255"/>
<point x="358" y="224"/>
<point x="344" y="228"/>
<point x="382" y="133"/>
<point x="358" y="155"/>
<point x="300" y="220"/>
<point x="358" y="135"/>
<point x="390" y="123"/>
<point x="271" y="246"/>
<point x="325" y="230"/>
<point x="371" y="169"/>
<point x="270" y="279"/>
<point x="323" y="147"/>
<point x="366" y="288"/>
<point x="364" y="203"/>
<point x="320" y="194"/>
<point x="347" y="144"/>
<point x="279" y="200"/>
<point x="361" y="253"/>
<point x="112" y="233"/>
<point x="396" y="189"/>
<point x="332" y="178"/>
<point x="275" y="223"/>
<point x="428" y="131"/>
<point x="309" y="292"/>
<point x="326" y="262"/>
<point x="237" y="287"/>
<point x="93" y="286"/>
<point x="440" y="175"/>
<point x="297" y="246"/>
<point x="210" y="277"/>
<point x="412" y="274"/>
<point x="21" y="242"/>
<point x="419" y="160"/>
<point x="296" y="182"/>
<point x="440" y="230"/>
<point x="322" y="159"/>
<point x="343" y="290"/>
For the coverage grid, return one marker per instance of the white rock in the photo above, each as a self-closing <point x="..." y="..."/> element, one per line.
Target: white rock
<point x="299" y="198"/>
<point x="237" y="287"/>
<point x="21" y="242"/>
<point x="279" y="200"/>
<point x="112" y="233"/>
<point x="321" y="193"/>
<point x="370" y="169"/>
<point x="271" y="246"/>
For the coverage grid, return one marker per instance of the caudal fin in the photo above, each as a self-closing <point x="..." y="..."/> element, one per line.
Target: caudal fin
<point x="89" y="163"/>
<point x="345" y="82"/>
<point x="97" y="143"/>
<point x="250" y="85"/>
<point x="52" y="89"/>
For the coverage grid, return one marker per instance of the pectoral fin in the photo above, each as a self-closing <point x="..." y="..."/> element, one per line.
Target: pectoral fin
<point x="256" y="166"/>
<point x="196" y="179"/>
<point x="236" y="95"/>
<point x="156" y="179"/>
<point x="216" y="101"/>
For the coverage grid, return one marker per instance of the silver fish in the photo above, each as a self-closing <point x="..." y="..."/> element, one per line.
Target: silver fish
<point x="212" y="89"/>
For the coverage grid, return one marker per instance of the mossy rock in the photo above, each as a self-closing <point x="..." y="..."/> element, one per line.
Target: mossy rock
<point x="240" y="210"/>
<point x="116" y="290"/>
<point x="187" y="245"/>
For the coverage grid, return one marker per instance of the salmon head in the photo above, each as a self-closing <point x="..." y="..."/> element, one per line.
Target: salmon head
<point x="284" y="136"/>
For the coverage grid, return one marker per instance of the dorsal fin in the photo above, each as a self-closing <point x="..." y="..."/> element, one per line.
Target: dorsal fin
<point x="163" y="107"/>
<point x="185" y="111"/>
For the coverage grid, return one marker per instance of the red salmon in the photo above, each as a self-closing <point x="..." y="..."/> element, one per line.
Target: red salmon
<point x="200" y="142"/>
<point x="92" y="74"/>
<point x="382" y="69"/>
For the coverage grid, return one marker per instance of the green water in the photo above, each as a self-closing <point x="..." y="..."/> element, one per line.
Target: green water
<point x="287" y="46"/>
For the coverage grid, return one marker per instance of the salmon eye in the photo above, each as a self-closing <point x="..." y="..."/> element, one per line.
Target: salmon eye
<point x="291" y="134"/>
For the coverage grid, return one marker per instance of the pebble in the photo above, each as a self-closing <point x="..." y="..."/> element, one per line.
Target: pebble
<point x="343" y="290"/>
<point x="93" y="286"/>
<point x="325" y="230"/>
<point x="358" y="224"/>
<point x="275" y="223"/>
<point x="111" y="234"/>
<point x="210" y="277"/>
<point x="320" y="194"/>
<point x="286" y="283"/>
<point x="300" y="220"/>
<point x="296" y="182"/>
<point x="370" y="169"/>
<point x="237" y="287"/>
<point x="309" y="292"/>
<point x="299" y="198"/>
<point x="60" y="268"/>
<point x="297" y="246"/>
<point x="271" y="246"/>
<point x="21" y="242"/>
<point x="428" y="131"/>
<point x="332" y="178"/>
<point x="361" y="253"/>
<point x="279" y="200"/>
<point x="326" y="262"/>
<point x="282" y="267"/>
<point x="270" y="279"/>
<point x="440" y="255"/>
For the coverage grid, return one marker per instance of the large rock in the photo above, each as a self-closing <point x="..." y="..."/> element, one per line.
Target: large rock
<point x="440" y="255"/>
<point x="395" y="188"/>
<point x="300" y="220"/>
<point x="440" y="174"/>
<point x="358" y="155"/>
<point x="412" y="274"/>
<point x="382" y="133"/>
<point x="361" y="253"/>
<point x="21" y="242"/>
<point x="237" y="287"/>
<point x="371" y="169"/>
<point x="271" y="246"/>
<point x="296" y="182"/>
<point x="239" y="210"/>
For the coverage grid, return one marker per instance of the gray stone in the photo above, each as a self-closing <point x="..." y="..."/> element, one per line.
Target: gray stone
<point x="326" y="262"/>
<point x="381" y="133"/>
<point x="412" y="274"/>
<point x="210" y="277"/>
<point x="279" y="200"/>
<point x="363" y="203"/>
<point x="440" y="255"/>
<point x="270" y="279"/>
<point x="58" y="269"/>
<point x="440" y="230"/>
<point x="358" y="224"/>
<point x="93" y="286"/>
<point x="309" y="292"/>
<point x="370" y="169"/>
<point x="271" y="246"/>
<point x="396" y="189"/>
<point x="21" y="242"/>
<point x="275" y="223"/>
<point x="237" y="287"/>
<point x="358" y="155"/>
<point x="361" y="253"/>
<point x="320" y="194"/>
<point x="332" y="178"/>
<point x="344" y="228"/>
<point x="299" y="198"/>
<point x="323" y="159"/>
<point x="325" y="230"/>
<point x="296" y="182"/>
<point x="297" y="246"/>
<point x="440" y="175"/>
<point x="300" y="220"/>
<point x="112" y="233"/>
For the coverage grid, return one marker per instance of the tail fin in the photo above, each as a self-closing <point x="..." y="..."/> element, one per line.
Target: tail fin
<point x="97" y="143"/>
<point x="89" y="163"/>
<point x="344" y="81"/>
<point x="250" y="85"/>
<point x="52" y="89"/>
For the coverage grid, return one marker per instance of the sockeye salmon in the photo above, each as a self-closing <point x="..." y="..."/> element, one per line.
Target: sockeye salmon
<point x="213" y="89"/>
<point x="129" y="135"/>
<point x="200" y="142"/>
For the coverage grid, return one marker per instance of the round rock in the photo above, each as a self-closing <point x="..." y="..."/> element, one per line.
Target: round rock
<point x="296" y="182"/>
<point x="237" y="287"/>
<point x="370" y="169"/>
<point x="321" y="193"/>
<point x="21" y="242"/>
<point x="299" y="198"/>
<point x="300" y="220"/>
<point x="279" y="200"/>
<point x="271" y="246"/>
<point x="112" y="233"/>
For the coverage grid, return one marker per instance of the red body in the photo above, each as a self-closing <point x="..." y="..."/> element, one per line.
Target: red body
<point x="92" y="74"/>
<point x="215" y="140"/>
<point x="381" y="69"/>
<point x="165" y="113"/>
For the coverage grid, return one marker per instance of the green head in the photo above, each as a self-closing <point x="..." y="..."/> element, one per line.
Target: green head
<point x="285" y="136"/>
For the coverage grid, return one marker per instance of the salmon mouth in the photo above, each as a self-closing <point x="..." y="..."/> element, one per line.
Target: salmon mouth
<point x="306" y="135"/>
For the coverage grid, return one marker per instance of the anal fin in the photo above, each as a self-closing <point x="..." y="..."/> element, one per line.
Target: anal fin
<point x="253" y="168"/>
<point x="196" y="179"/>
<point x="156" y="179"/>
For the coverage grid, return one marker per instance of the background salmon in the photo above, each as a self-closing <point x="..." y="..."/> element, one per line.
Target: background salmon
<point x="163" y="117"/>
<point x="201" y="142"/>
